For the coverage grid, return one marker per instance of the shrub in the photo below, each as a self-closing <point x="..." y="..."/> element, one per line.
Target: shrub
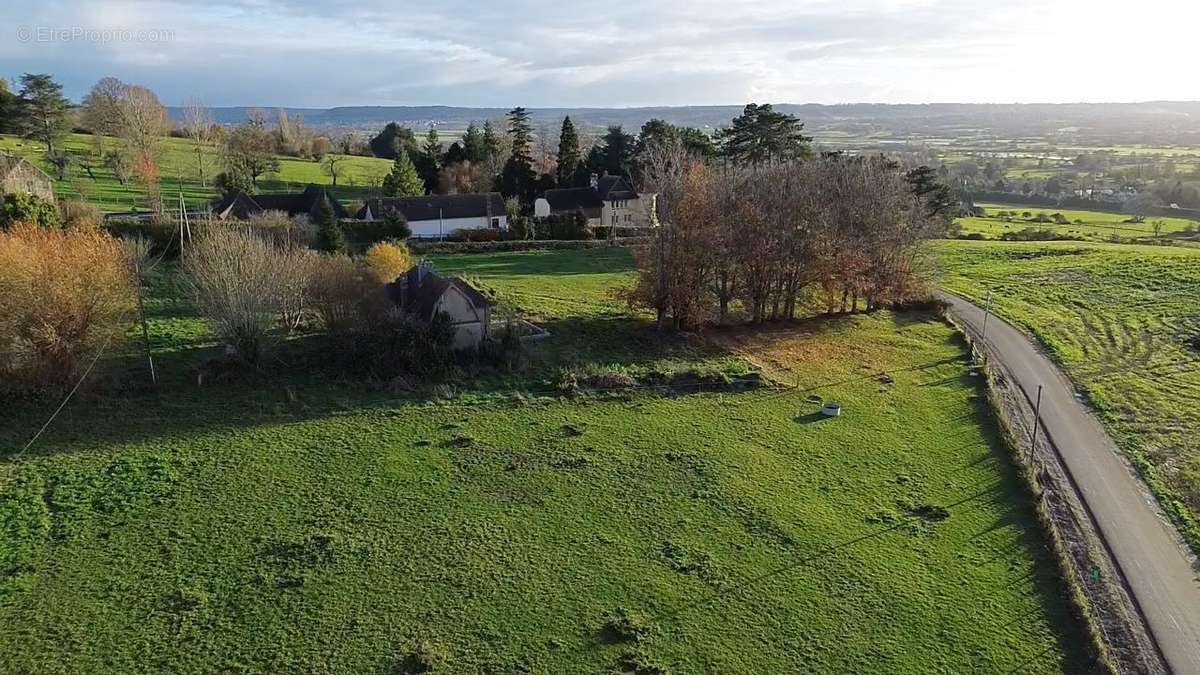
<point x="385" y="261"/>
<point x="329" y="234"/>
<point x="475" y="234"/>
<point x="284" y="230"/>
<point x="63" y="293"/>
<point x="18" y="207"/>
<point x="365" y="233"/>
<point x="79" y="214"/>
<point x="162" y="235"/>
<point x="336" y="291"/>
<point x="238" y="282"/>
<point x="571" y="226"/>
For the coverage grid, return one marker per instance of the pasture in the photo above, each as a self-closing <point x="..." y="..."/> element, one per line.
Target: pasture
<point x="180" y="173"/>
<point x="1124" y="321"/>
<point x="305" y="525"/>
<point x="1090" y="225"/>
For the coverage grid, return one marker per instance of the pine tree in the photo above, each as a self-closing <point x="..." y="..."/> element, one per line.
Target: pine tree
<point x="433" y="147"/>
<point x="43" y="109"/>
<point x="403" y="180"/>
<point x="491" y="143"/>
<point x="329" y="232"/>
<point x="473" y="144"/>
<point x="568" y="152"/>
<point x="517" y="178"/>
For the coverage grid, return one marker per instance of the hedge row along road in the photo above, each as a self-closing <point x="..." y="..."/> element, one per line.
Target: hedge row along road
<point x="1157" y="566"/>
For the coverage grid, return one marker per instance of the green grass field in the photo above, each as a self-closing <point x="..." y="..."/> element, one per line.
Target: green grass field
<point x="1091" y="225"/>
<point x="179" y="171"/>
<point x="325" y="526"/>
<point x="1121" y="319"/>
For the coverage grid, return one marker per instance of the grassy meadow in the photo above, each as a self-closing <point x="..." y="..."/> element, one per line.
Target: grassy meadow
<point x="180" y="173"/>
<point x="1124" y="321"/>
<point x="323" y="525"/>
<point x="1089" y="225"/>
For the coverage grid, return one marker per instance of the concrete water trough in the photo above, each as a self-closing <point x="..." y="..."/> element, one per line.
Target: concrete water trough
<point x="832" y="409"/>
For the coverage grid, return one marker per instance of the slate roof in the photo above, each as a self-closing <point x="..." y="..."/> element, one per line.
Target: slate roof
<point x="612" y="188"/>
<point x="241" y="206"/>
<point x="588" y="199"/>
<point x="420" y="295"/>
<point x="428" y="207"/>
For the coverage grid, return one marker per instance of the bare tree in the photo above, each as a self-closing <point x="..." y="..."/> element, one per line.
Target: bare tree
<point x="198" y="124"/>
<point x="332" y="165"/>
<point x="99" y="111"/>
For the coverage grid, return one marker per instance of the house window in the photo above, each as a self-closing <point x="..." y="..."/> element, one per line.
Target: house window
<point x="495" y="223"/>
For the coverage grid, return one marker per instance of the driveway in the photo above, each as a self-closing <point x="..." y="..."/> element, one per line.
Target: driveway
<point x="1160" y="571"/>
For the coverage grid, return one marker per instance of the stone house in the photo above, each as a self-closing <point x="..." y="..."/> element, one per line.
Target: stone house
<point x="18" y="176"/>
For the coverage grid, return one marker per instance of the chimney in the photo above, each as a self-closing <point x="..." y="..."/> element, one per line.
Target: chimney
<point x="593" y="180"/>
<point x="423" y="268"/>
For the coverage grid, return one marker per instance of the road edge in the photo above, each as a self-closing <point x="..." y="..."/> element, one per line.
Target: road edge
<point x="1116" y="626"/>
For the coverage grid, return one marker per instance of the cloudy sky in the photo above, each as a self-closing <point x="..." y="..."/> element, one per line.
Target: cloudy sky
<point x="321" y="53"/>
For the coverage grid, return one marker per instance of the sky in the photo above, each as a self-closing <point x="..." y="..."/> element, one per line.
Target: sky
<point x="500" y="53"/>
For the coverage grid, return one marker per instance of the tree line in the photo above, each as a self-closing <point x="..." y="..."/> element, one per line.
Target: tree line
<point x="776" y="235"/>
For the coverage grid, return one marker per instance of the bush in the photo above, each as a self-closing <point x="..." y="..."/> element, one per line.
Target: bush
<point x="475" y="234"/>
<point x="79" y="214"/>
<point x="336" y="291"/>
<point x="163" y="236"/>
<point x="386" y="261"/>
<point x="571" y="226"/>
<point x="63" y="293"/>
<point x="18" y="207"/>
<point x="365" y="233"/>
<point x="330" y="237"/>
<point x="239" y="283"/>
<point x="284" y="230"/>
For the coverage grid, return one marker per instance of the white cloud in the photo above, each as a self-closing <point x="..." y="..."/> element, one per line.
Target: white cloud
<point x="543" y="53"/>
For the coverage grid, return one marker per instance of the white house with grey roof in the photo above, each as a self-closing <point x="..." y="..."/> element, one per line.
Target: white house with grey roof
<point x="439" y="216"/>
<point x="609" y="201"/>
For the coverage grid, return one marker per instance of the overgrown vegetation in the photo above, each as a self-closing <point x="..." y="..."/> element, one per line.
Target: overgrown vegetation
<point x="64" y="295"/>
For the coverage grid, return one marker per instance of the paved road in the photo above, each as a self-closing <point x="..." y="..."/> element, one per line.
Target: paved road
<point x="1160" y="572"/>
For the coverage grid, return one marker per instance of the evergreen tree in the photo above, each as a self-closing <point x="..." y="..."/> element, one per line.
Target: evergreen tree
<point x="9" y="109"/>
<point x="618" y="152"/>
<point x="43" y="109"/>
<point x="403" y="180"/>
<point x="474" y="146"/>
<point x="761" y="135"/>
<point x="568" y="153"/>
<point x="391" y="139"/>
<point x="520" y="132"/>
<point x="491" y="142"/>
<point x="329" y="233"/>
<point x="433" y="147"/>
<point x="455" y="154"/>
<point x="517" y="178"/>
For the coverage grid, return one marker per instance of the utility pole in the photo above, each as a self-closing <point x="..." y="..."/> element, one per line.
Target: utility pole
<point x="987" y="312"/>
<point x="1037" y="420"/>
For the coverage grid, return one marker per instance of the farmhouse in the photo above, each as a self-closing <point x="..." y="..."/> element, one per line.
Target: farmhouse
<point x="18" y="176"/>
<point x="438" y="216"/>
<point x="608" y="201"/>
<point x="240" y="206"/>
<point x="423" y="294"/>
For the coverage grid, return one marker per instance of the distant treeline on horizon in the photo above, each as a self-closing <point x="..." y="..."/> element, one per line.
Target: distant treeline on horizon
<point x="1003" y="120"/>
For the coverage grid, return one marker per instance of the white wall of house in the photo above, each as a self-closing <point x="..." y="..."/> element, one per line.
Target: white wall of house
<point x="470" y="322"/>
<point x="428" y="229"/>
<point x="623" y="213"/>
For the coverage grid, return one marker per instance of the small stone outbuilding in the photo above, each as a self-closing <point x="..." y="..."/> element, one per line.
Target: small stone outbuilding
<point x="424" y="294"/>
